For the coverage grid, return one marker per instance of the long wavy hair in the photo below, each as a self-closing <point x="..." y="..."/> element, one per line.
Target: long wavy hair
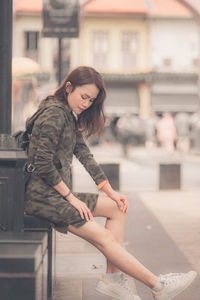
<point x="90" y="121"/>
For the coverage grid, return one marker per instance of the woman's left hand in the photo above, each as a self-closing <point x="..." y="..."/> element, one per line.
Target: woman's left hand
<point x="120" y="200"/>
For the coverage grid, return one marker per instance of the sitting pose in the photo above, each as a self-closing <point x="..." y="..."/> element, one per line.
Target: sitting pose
<point x="73" y="112"/>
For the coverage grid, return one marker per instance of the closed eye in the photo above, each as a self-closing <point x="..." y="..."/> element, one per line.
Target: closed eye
<point x="84" y="97"/>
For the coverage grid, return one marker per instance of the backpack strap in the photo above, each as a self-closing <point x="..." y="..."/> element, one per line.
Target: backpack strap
<point x="30" y="121"/>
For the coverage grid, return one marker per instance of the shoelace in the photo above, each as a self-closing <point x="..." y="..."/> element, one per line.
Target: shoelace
<point x="170" y="278"/>
<point x="123" y="281"/>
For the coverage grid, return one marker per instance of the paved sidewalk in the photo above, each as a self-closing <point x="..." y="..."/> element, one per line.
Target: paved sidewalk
<point x="162" y="231"/>
<point x="157" y="241"/>
<point x="79" y="266"/>
<point x="157" y="238"/>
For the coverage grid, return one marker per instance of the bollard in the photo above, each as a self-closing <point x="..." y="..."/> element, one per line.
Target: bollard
<point x="170" y="176"/>
<point x="112" y="171"/>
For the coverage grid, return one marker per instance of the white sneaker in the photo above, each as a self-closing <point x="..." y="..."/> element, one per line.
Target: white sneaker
<point x="119" y="290"/>
<point x="174" y="284"/>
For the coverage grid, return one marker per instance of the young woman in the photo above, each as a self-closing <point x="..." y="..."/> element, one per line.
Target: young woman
<point x="76" y="110"/>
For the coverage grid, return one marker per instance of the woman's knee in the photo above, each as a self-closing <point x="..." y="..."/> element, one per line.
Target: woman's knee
<point x="106" y="207"/>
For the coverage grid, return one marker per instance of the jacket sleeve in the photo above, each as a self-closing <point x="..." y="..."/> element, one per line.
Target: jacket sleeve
<point x="82" y="152"/>
<point x="50" y="127"/>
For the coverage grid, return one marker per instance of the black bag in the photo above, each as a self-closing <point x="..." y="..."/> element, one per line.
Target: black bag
<point x="22" y="139"/>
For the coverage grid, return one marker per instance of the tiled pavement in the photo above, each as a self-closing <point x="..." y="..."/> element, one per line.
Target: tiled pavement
<point x="164" y="236"/>
<point x="151" y="240"/>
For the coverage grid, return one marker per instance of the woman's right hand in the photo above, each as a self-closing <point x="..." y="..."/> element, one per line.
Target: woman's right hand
<point x="84" y="211"/>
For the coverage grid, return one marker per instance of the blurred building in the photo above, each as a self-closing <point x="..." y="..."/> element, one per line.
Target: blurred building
<point x="194" y="3"/>
<point x="174" y="57"/>
<point x="148" y="52"/>
<point x="27" y="39"/>
<point x="114" y="38"/>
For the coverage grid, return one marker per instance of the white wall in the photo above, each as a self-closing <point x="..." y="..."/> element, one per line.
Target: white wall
<point x="175" y="39"/>
<point x="46" y="45"/>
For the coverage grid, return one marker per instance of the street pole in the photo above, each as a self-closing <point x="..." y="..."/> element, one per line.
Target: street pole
<point x="6" y="66"/>
<point x="12" y="158"/>
<point x="59" y="60"/>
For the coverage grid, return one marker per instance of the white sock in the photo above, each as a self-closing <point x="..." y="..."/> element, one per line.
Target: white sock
<point x="158" y="287"/>
<point x="112" y="277"/>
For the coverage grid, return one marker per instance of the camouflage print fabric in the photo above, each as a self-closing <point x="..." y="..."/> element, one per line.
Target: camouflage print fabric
<point x="53" y="142"/>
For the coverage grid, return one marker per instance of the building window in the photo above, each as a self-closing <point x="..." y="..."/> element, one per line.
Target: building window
<point x="129" y="46"/>
<point x="195" y="62"/>
<point x="167" y="62"/>
<point x="31" y="44"/>
<point x="100" y="46"/>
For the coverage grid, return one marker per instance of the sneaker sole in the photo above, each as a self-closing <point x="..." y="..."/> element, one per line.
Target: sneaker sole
<point x="107" y="293"/>
<point x="184" y="288"/>
<point x="188" y="284"/>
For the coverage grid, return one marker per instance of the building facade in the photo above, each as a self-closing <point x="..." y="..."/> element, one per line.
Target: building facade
<point x="174" y="57"/>
<point x="114" y="39"/>
<point x="148" y="52"/>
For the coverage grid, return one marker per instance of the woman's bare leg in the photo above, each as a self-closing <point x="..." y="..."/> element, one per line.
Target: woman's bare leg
<point x="115" y="223"/>
<point x="104" y="240"/>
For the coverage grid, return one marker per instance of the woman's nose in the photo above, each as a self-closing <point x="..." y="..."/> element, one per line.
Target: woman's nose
<point x="86" y="103"/>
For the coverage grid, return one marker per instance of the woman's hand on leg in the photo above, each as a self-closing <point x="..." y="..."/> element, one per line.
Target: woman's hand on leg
<point x="120" y="199"/>
<point x="84" y="211"/>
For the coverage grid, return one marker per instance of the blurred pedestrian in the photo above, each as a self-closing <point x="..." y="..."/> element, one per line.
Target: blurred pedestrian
<point x="150" y="131"/>
<point x="182" y="123"/>
<point x="166" y="132"/>
<point x="76" y="109"/>
<point x="130" y="130"/>
<point x="195" y="131"/>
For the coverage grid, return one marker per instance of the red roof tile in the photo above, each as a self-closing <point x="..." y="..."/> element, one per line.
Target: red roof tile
<point x="28" y="6"/>
<point x="168" y="8"/>
<point x="155" y="7"/>
<point x="115" y="6"/>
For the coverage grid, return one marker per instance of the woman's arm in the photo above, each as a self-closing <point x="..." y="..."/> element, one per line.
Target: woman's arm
<point x="84" y="155"/>
<point x="82" y="152"/>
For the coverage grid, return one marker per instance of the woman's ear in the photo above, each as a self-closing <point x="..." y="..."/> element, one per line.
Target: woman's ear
<point x="68" y="87"/>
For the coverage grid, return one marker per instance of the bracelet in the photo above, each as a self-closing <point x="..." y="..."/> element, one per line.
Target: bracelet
<point x="101" y="185"/>
<point x="64" y="197"/>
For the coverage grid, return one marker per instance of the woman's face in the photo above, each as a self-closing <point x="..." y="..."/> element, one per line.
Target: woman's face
<point x="82" y="97"/>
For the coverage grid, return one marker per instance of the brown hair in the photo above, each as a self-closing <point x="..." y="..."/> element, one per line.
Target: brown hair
<point x="91" y="121"/>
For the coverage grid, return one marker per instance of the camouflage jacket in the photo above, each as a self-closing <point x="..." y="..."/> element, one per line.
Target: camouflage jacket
<point x="54" y="140"/>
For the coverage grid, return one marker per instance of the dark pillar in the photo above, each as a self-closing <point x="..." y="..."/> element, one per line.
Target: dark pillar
<point x="112" y="171"/>
<point x="12" y="158"/>
<point x="6" y="67"/>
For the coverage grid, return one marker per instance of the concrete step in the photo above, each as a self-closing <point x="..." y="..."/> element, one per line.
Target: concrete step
<point x="82" y="288"/>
